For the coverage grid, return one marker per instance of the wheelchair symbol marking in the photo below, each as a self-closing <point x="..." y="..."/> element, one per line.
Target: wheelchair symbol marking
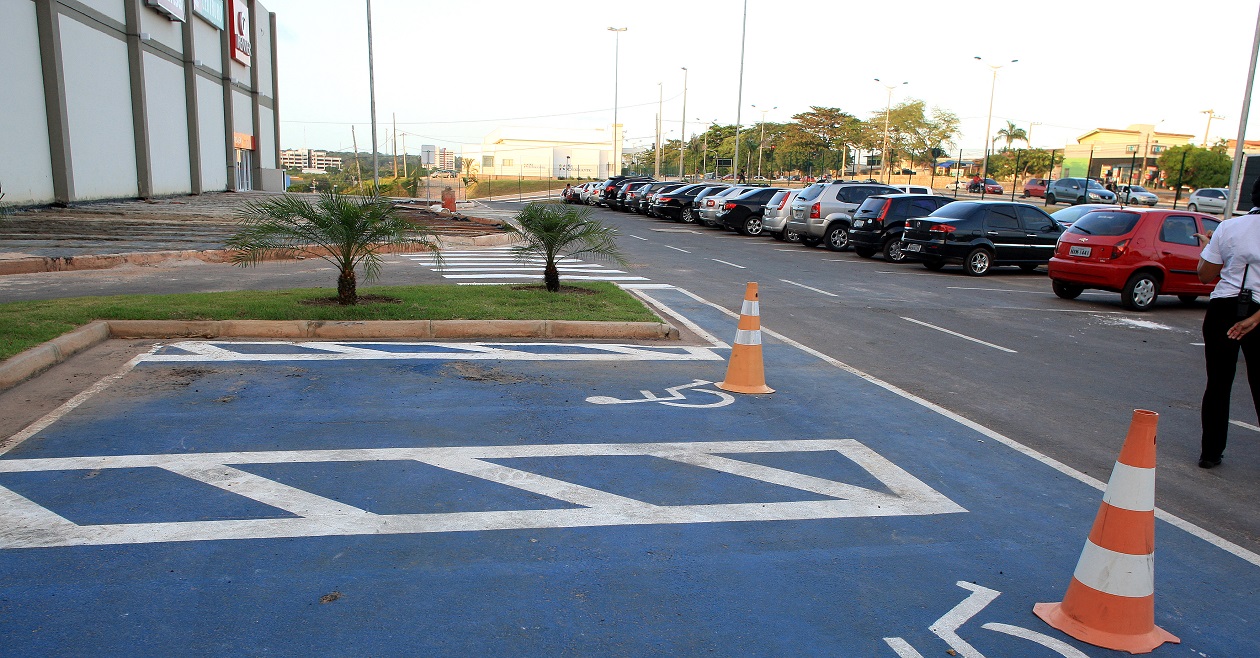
<point x="675" y="394"/>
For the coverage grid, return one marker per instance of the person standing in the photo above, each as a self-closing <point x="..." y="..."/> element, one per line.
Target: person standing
<point x="743" y="177"/>
<point x="1227" y="258"/>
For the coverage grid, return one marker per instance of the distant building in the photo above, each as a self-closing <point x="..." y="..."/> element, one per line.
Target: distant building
<point x="428" y="155"/>
<point x="541" y="152"/>
<point x="309" y="160"/>
<point x="446" y="159"/>
<point x="1131" y="152"/>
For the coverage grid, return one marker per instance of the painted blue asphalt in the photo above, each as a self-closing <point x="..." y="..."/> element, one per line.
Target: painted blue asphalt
<point x="834" y="584"/>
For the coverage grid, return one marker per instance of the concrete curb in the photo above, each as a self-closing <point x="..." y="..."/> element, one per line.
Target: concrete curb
<point x="42" y="357"/>
<point x="37" y="264"/>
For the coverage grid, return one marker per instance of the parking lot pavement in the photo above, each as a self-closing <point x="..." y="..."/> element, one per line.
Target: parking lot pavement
<point x="551" y="499"/>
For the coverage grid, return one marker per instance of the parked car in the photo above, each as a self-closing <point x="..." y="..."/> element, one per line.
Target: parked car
<point x="608" y="189"/>
<point x="982" y="235"/>
<point x="645" y="193"/>
<point x="650" y="201"/>
<point x="677" y="204"/>
<point x="590" y="193"/>
<point x="986" y="186"/>
<point x="1035" y="187"/>
<point x="743" y="213"/>
<point x="1136" y="195"/>
<point x="1208" y="199"/>
<point x="442" y="173"/>
<point x="822" y="212"/>
<point x="713" y="203"/>
<point x="881" y="219"/>
<point x="915" y="189"/>
<point x="634" y="195"/>
<point x="1077" y="190"/>
<point x="1139" y="253"/>
<point x="775" y="216"/>
<point x="1069" y="215"/>
<point x="619" y="201"/>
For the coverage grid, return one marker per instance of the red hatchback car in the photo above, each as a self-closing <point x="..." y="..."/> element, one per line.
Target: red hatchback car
<point x="1137" y="253"/>
<point x="1035" y="187"/>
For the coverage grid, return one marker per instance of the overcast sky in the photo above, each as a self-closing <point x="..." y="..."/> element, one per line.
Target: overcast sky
<point x="454" y="70"/>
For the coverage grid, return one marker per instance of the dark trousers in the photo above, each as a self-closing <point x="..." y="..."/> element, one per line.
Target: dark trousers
<point x="1221" y="354"/>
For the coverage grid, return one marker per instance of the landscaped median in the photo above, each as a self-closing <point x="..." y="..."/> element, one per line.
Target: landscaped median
<point x="35" y="336"/>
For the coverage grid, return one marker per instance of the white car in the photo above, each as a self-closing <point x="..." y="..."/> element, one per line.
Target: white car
<point x="1136" y="195"/>
<point x="915" y="189"/>
<point x="1208" y="199"/>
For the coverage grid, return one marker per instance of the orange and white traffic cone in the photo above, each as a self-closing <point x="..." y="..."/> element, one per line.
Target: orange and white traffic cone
<point x="745" y="372"/>
<point x="1111" y="600"/>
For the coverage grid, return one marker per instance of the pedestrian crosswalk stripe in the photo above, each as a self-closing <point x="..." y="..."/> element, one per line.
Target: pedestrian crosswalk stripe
<point x="500" y="263"/>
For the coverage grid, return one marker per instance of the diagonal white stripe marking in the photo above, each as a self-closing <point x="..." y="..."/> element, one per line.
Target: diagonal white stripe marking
<point x="824" y="292"/>
<point x="726" y="263"/>
<point x="962" y="336"/>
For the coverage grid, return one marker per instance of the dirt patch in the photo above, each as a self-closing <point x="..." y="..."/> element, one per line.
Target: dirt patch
<point x="564" y="290"/>
<point x="185" y="376"/>
<point x="363" y="300"/>
<point x="476" y="373"/>
<point x="330" y="597"/>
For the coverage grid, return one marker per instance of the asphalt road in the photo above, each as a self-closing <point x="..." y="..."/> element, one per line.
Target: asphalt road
<point x="1059" y="376"/>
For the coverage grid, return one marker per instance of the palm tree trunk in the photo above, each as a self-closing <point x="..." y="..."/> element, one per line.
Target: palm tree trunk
<point x="346" y="293"/>
<point x="551" y="277"/>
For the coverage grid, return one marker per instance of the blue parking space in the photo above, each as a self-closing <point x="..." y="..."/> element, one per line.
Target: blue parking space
<point x="536" y="500"/>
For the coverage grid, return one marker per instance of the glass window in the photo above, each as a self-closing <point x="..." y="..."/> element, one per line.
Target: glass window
<point x="1002" y="217"/>
<point x="1094" y="185"/>
<point x="810" y="193"/>
<point x="508" y="162"/>
<point x="487" y="160"/>
<point x="1210" y="224"/>
<point x="1034" y="219"/>
<point x="956" y="210"/>
<point x="1105" y="222"/>
<point x="1179" y="230"/>
<point x="920" y="208"/>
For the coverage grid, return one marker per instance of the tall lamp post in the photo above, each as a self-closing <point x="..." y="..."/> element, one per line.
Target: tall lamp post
<point x="988" y="124"/>
<point x="376" y="174"/>
<point x="616" y="88"/>
<point x="883" y="154"/>
<point x="739" y="98"/>
<point x="1236" y="171"/>
<point x="762" y="144"/>
<point x="682" y="149"/>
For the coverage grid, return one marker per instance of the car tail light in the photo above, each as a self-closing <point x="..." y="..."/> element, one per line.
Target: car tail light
<point x="784" y="201"/>
<point x="730" y="205"/>
<point x="884" y="212"/>
<point x="941" y="228"/>
<point x="664" y="199"/>
<point x="815" y="211"/>
<point x="708" y="203"/>
<point x="1119" y="249"/>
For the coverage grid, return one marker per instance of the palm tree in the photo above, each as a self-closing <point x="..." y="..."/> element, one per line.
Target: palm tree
<point x="553" y="232"/>
<point x="347" y="231"/>
<point x="1011" y="134"/>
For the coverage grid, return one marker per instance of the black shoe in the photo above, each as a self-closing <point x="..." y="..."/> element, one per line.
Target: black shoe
<point x="1209" y="463"/>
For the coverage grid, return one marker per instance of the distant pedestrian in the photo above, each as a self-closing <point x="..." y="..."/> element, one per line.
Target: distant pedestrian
<point x="743" y="177"/>
<point x="1227" y="259"/>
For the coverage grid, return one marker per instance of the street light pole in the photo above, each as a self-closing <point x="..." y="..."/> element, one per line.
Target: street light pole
<point x="988" y="124"/>
<point x="616" y="89"/>
<point x="660" y="105"/>
<point x="739" y="99"/>
<point x="682" y="150"/>
<point x="762" y="144"/>
<point x="1235" y="171"/>
<point x="883" y="154"/>
<point x="1211" y="115"/>
<point x="376" y="174"/>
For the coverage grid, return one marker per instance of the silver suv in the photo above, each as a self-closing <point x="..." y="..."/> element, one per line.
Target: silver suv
<point x="778" y="209"/>
<point x="1077" y="190"/>
<point x="1208" y="199"/>
<point x="822" y="212"/>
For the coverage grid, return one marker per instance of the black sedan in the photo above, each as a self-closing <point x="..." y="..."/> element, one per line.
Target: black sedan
<point x="982" y="235"/>
<point x="744" y="212"/>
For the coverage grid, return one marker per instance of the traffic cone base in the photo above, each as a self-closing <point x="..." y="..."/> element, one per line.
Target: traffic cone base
<point x="1110" y="601"/>
<point x="745" y="373"/>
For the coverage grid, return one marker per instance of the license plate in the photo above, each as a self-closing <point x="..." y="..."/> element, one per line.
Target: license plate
<point x="912" y="247"/>
<point x="1080" y="251"/>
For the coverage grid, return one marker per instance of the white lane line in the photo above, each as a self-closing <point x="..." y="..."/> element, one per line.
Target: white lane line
<point x="1088" y="480"/>
<point x="539" y="270"/>
<point x="821" y="292"/>
<point x="1026" y="292"/>
<point x="575" y="277"/>
<point x="962" y="336"/>
<point x="1243" y="425"/>
<point x="902" y="648"/>
<point x="677" y="249"/>
<point x="798" y="250"/>
<point x="638" y="238"/>
<point x="1199" y="344"/>
<point x="1054" y="644"/>
<point x="853" y="262"/>
<point x="726" y="263"/>
<point x="638" y="291"/>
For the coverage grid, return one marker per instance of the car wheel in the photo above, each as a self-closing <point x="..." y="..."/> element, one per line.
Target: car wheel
<point x="791" y="236"/>
<point x="809" y="241"/>
<point x="687" y="216"/>
<point x="1024" y="195"/>
<point x="1187" y="299"/>
<point x="934" y="265"/>
<point x="1066" y="290"/>
<point x="978" y="262"/>
<point x="1050" y="200"/>
<point x="837" y="237"/>
<point x="1028" y="267"/>
<point x="1140" y="292"/>
<point x="893" y="252"/>
<point x="864" y="252"/>
<point x="752" y="226"/>
<point x="1079" y="200"/>
<point x="1193" y="208"/>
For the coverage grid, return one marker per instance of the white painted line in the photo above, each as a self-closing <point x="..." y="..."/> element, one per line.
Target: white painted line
<point x="850" y="261"/>
<point x="534" y="276"/>
<point x="678" y="317"/>
<point x="647" y="286"/>
<point x="537" y="270"/>
<point x="1054" y="644"/>
<point x="203" y="352"/>
<point x="726" y="263"/>
<point x="798" y="250"/>
<point x="69" y="405"/>
<point x="955" y="333"/>
<point x="821" y="292"/>
<point x="1167" y="517"/>
<point x="484" y="283"/>
<point x="902" y="648"/>
<point x="947" y="626"/>
<point x="677" y="249"/>
<point x="901" y="494"/>
<point x="637" y="237"/>
<point x="1199" y="344"/>
<point x="1246" y="426"/>
<point x="1027" y="292"/>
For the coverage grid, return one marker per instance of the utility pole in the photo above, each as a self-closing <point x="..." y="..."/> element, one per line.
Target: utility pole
<point x="660" y="105"/>
<point x="1207" y="131"/>
<point x="358" y="175"/>
<point x="682" y="151"/>
<point x="394" y="148"/>
<point x="1235" y="171"/>
<point x="404" y="138"/>
<point x="376" y="173"/>
<point x="739" y="99"/>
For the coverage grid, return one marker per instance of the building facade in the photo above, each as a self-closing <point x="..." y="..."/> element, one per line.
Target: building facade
<point x="309" y="160"/>
<point x="543" y="152"/>
<point x="446" y="159"/>
<point x="108" y="99"/>
<point x="1124" y="154"/>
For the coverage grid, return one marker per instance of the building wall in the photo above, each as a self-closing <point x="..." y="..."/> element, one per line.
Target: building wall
<point x="113" y="99"/>
<point x="24" y="129"/>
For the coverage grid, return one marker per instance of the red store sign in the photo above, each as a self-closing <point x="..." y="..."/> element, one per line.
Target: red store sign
<point x="242" y="48"/>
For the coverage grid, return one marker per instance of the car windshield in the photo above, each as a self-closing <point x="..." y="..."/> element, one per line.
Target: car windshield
<point x="990" y="181"/>
<point x="777" y="198"/>
<point x="955" y="210"/>
<point x="810" y="193"/>
<point x="1136" y="188"/>
<point x="1104" y="222"/>
<point x="1069" y="215"/>
<point x="1094" y="185"/>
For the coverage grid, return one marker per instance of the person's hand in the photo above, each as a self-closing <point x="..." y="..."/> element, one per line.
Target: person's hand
<point x="1203" y="238"/>
<point x="1243" y="327"/>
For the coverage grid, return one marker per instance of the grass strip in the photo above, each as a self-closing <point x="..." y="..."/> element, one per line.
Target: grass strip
<point x="26" y="324"/>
